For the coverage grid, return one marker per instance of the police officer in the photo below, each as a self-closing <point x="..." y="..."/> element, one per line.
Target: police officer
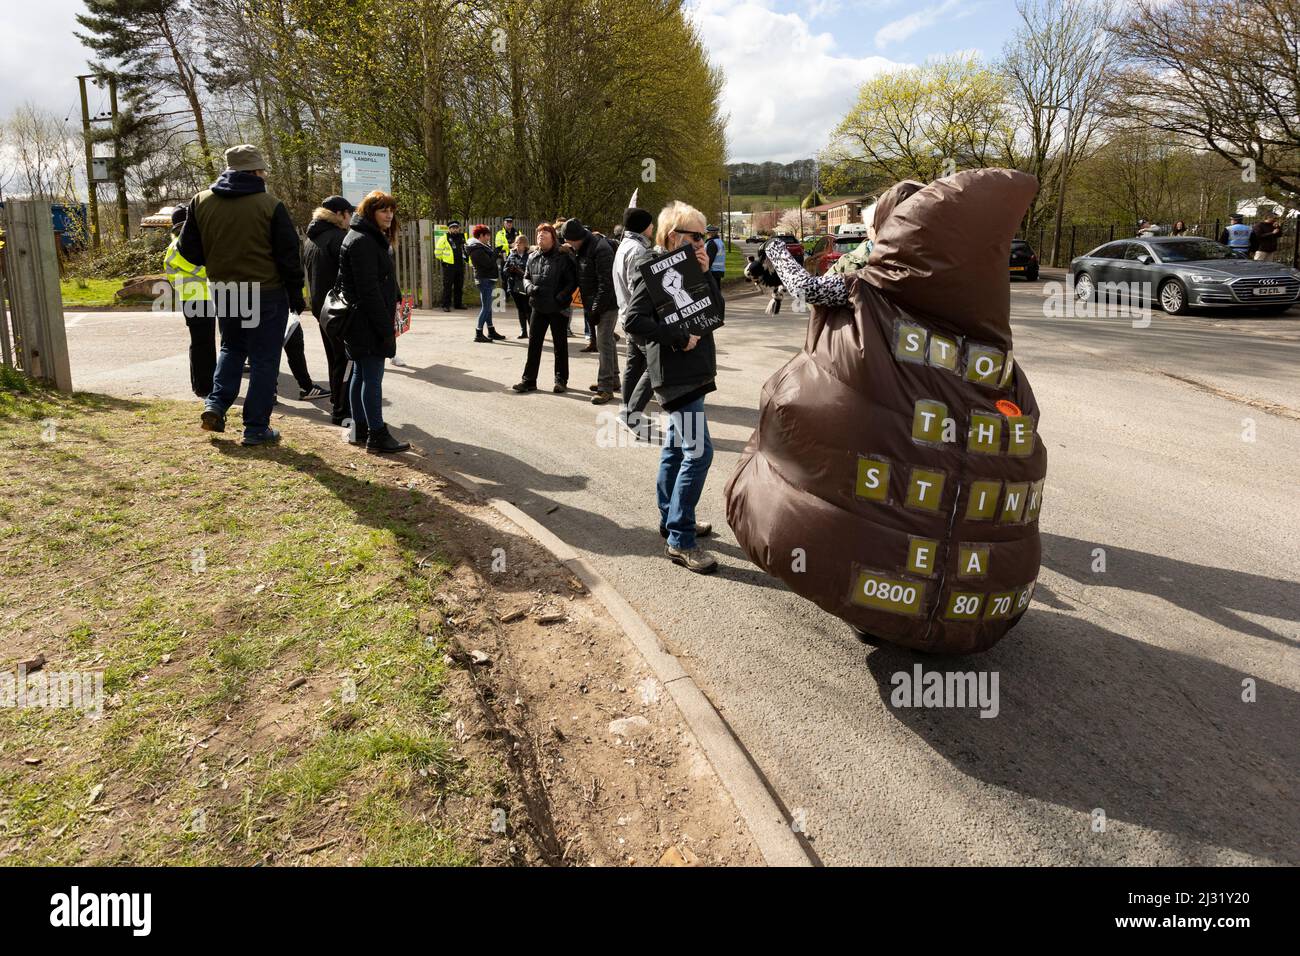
<point x="504" y="243"/>
<point x="450" y="251"/>
<point x="1237" y="235"/>
<point x="717" y="251"/>
<point x="190" y="283"/>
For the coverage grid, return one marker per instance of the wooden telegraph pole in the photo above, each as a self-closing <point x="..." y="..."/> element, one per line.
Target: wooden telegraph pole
<point x="119" y="168"/>
<point x="90" y="163"/>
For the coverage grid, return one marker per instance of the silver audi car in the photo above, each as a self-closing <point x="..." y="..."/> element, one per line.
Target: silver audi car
<point x="1182" y="273"/>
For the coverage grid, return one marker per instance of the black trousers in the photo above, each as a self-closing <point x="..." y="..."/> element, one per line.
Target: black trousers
<point x="202" y="323"/>
<point x="340" y="382"/>
<point x="538" y="323"/>
<point x="636" y="378"/>
<point x="525" y="310"/>
<point x="453" y="286"/>
<point x="295" y="352"/>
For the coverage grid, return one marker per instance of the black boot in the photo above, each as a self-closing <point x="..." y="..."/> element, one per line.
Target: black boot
<point x="360" y="434"/>
<point x="381" y="440"/>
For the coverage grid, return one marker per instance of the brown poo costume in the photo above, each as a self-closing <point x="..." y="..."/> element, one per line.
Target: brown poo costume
<point x="853" y="490"/>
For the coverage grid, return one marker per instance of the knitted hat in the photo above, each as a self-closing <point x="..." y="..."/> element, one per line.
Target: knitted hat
<point x="637" y="220"/>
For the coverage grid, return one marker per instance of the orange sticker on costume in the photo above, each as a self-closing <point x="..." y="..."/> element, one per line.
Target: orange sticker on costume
<point x="1007" y="407"/>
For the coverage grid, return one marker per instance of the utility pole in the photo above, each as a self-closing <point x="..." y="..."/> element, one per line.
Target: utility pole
<point x="119" y="168"/>
<point x="90" y="164"/>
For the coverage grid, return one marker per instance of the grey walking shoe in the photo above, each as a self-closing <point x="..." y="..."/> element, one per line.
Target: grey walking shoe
<point x="693" y="559"/>
<point x="267" y="437"/>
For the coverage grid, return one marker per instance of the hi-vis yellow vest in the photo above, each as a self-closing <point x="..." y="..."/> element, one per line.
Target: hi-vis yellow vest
<point x="442" y="250"/>
<point x="189" y="280"/>
<point x="502" y="241"/>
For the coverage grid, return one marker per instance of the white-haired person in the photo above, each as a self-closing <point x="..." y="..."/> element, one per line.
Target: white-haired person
<point x="682" y="369"/>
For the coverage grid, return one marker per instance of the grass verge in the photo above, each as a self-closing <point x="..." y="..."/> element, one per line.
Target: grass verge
<point x="96" y="294"/>
<point x="274" y="685"/>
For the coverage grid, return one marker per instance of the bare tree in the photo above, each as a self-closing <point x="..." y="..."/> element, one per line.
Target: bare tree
<point x="1058" y="66"/>
<point x="46" y="154"/>
<point x="1223" y="74"/>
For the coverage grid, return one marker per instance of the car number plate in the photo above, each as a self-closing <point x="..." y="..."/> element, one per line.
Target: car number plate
<point x="1277" y="290"/>
<point x="1017" y="268"/>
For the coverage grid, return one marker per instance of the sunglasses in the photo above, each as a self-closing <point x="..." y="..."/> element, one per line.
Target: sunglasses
<point x="695" y="236"/>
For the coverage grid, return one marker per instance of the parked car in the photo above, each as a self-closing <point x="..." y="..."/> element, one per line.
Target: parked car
<point x="1024" y="261"/>
<point x="791" y="243"/>
<point x="821" y="254"/>
<point x="754" y="239"/>
<point x="1181" y="273"/>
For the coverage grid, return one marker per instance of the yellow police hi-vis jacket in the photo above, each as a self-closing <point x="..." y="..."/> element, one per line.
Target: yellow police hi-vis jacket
<point x="442" y="250"/>
<point x="501" y="241"/>
<point x="189" y="280"/>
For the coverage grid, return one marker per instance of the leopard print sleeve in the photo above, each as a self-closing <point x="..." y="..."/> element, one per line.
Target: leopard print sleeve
<point x="814" y="290"/>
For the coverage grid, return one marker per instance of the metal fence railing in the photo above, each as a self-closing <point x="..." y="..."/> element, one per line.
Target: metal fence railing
<point x="1079" y="238"/>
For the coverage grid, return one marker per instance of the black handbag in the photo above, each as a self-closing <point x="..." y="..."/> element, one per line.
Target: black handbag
<point x="336" y="313"/>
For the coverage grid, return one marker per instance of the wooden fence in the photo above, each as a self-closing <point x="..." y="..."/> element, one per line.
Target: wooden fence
<point x="418" y="272"/>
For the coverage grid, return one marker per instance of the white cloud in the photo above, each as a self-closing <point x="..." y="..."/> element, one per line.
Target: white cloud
<point x="785" y="87"/>
<point x="41" y="57"/>
<point x="896" y="31"/>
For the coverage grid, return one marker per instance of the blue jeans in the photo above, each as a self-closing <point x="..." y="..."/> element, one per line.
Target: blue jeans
<point x="367" y="392"/>
<point x="683" y="467"/>
<point x="485" y="289"/>
<point x="257" y="342"/>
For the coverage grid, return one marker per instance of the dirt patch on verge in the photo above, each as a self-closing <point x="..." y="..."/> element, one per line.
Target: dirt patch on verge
<point x="311" y="655"/>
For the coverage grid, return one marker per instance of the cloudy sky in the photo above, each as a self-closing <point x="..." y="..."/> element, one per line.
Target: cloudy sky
<point x="792" y="66"/>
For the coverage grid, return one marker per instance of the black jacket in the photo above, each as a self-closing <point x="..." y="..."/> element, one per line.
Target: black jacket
<point x="369" y="281"/>
<point x="457" y="242"/>
<point x="595" y="262"/>
<point x="484" y="260"/>
<point x="678" y="376"/>
<point x="320" y="256"/>
<point x="549" y="280"/>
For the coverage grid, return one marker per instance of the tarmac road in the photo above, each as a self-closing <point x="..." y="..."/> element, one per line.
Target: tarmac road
<point x="1172" y="448"/>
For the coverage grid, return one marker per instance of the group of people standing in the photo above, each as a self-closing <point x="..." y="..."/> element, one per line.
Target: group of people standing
<point x="239" y="264"/>
<point x="1258" y="242"/>
<point x="666" y="361"/>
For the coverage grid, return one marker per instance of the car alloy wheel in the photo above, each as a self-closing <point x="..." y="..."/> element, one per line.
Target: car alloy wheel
<point x="1084" y="290"/>
<point x="1173" y="297"/>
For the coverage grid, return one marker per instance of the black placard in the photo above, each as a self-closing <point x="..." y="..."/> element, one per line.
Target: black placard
<point x="680" y="291"/>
